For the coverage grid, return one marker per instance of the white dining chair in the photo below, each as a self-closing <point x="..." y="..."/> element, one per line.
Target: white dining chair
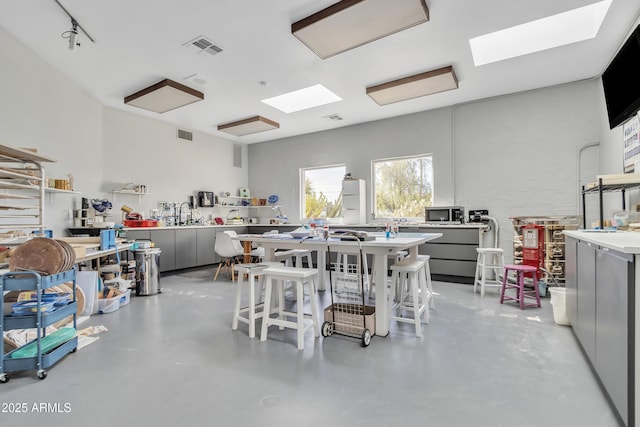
<point x="229" y="253"/>
<point x="257" y="253"/>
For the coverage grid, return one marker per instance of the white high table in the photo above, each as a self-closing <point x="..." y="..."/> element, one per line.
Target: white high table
<point x="380" y="248"/>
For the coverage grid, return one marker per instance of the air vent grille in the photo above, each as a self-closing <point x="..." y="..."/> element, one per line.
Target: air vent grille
<point x="203" y="44"/>
<point x="237" y="155"/>
<point x="334" y="117"/>
<point x="185" y="135"/>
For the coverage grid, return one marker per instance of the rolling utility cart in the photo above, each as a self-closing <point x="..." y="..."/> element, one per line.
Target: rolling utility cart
<point x="348" y="315"/>
<point x="45" y="350"/>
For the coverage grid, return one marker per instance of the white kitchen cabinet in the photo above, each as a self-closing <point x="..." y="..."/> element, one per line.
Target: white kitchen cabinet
<point x="354" y="201"/>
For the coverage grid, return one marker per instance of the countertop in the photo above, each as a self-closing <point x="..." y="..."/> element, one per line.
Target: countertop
<point x="627" y="242"/>
<point x="421" y="225"/>
<point x="476" y="225"/>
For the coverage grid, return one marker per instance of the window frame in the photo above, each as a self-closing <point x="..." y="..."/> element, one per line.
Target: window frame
<point x="374" y="215"/>
<point x="302" y="186"/>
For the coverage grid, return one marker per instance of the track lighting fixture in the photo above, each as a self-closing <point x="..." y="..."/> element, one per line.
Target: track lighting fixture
<point x="72" y="34"/>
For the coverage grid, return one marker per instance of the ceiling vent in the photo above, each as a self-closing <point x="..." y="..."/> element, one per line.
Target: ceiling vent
<point x="203" y="44"/>
<point x="195" y="78"/>
<point x="334" y="117"/>
<point x="184" y="135"/>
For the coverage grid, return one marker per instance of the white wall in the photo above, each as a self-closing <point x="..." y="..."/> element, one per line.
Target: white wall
<point x="102" y="147"/>
<point x="40" y="108"/>
<point x="491" y="140"/>
<point x="274" y="166"/>
<point x="611" y="156"/>
<point x="145" y="151"/>
<point x="517" y="155"/>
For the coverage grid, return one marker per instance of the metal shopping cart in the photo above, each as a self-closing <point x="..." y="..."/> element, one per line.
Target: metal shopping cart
<point x="348" y="315"/>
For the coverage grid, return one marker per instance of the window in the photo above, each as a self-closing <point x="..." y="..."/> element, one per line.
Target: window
<point x="402" y="187"/>
<point x="322" y="192"/>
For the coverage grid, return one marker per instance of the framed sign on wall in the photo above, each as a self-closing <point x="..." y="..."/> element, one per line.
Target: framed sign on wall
<point x="631" y="145"/>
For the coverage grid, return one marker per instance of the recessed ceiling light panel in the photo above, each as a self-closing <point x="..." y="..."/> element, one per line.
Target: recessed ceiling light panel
<point x="557" y="30"/>
<point x="302" y="99"/>
<point x="352" y="23"/>
<point x="164" y="96"/>
<point x="248" y="126"/>
<point x="415" y="86"/>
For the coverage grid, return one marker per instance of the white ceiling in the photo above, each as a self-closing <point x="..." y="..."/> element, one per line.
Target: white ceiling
<point x="140" y="42"/>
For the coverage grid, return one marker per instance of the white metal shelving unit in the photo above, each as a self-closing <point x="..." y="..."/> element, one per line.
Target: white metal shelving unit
<point x="22" y="186"/>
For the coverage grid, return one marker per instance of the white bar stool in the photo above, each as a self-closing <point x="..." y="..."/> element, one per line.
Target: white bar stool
<point x="253" y="273"/>
<point x="298" y="255"/>
<point x="427" y="273"/>
<point x="410" y="278"/>
<point x="488" y="259"/>
<point x="299" y="276"/>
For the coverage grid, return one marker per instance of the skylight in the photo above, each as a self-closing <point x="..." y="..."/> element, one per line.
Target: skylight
<point x="557" y="30"/>
<point x="309" y="97"/>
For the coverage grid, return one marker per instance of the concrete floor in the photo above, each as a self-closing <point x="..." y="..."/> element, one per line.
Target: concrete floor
<point x="172" y="359"/>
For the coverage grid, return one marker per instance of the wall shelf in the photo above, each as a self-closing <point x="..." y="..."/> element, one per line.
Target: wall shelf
<point x="129" y="192"/>
<point x="246" y="206"/>
<point x="237" y="202"/>
<point x="53" y="191"/>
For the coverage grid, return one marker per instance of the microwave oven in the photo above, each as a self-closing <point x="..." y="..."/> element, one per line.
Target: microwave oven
<point x="444" y="214"/>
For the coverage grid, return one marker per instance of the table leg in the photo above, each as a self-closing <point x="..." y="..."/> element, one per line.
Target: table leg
<point x="413" y="253"/>
<point x="321" y="259"/>
<point x="382" y="294"/>
<point x="247" y="251"/>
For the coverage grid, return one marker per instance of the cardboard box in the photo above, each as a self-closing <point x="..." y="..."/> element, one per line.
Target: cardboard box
<point x="347" y="318"/>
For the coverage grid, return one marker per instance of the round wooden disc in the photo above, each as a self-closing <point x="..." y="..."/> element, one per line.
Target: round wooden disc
<point x="68" y="287"/>
<point x="80" y="299"/>
<point x="41" y="254"/>
<point x="70" y="255"/>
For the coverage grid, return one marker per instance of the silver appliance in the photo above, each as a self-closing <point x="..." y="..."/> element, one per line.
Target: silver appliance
<point x="444" y="214"/>
<point x="147" y="271"/>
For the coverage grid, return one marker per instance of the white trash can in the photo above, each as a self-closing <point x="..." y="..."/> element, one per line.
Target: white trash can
<point x="559" y="303"/>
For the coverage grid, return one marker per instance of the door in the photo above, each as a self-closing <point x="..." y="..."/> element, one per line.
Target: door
<point x="205" y="243"/>
<point x="185" y="248"/>
<point x="614" y="297"/>
<point x="166" y="241"/>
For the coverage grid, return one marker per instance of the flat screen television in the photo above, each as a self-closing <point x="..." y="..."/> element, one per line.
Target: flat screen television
<point x="621" y="82"/>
